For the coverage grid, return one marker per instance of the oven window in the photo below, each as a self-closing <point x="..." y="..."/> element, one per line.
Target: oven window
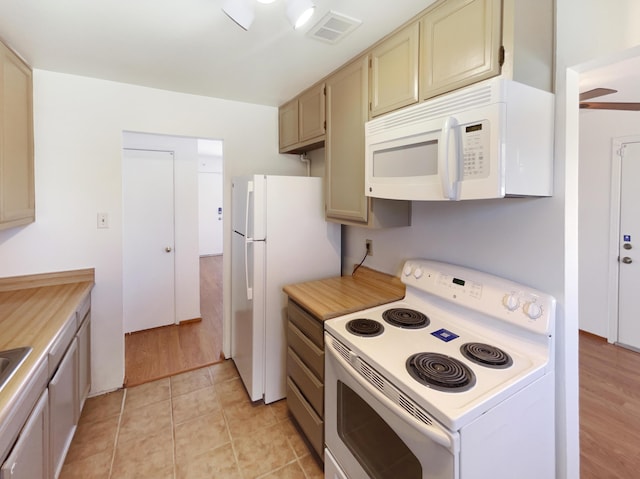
<point x="376" y="446"/>
<point x="417" y="159"/>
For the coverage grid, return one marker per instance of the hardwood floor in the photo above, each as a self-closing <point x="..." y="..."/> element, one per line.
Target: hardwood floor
<point x="161" y="352"/>
<point x="609" y="410"/>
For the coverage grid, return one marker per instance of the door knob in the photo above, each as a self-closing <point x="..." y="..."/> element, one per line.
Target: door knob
<point x="168" y="249"/>
<point x="627" y="260"/>
<point x="627" y="246"/>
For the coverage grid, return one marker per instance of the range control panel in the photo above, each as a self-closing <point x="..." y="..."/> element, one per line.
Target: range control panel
<point x="503" y="299"/>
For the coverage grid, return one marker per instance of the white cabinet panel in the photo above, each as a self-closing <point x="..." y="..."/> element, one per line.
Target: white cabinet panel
<point x="63" y="399"/>
<point x="84" y="363"/>
<point x="30" y="456"/>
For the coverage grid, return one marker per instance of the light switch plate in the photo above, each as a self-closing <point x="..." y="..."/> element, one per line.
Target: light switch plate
<point x="103" y="220"/>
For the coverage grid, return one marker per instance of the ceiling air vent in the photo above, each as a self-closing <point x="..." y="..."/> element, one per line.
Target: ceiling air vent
<point x="333" y="27"/>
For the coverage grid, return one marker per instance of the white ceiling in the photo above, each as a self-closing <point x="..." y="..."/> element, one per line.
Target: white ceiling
<point x="191" y="46"/>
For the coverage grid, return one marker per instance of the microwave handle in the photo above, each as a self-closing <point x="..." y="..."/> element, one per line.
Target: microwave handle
<point x="450" y="189"/>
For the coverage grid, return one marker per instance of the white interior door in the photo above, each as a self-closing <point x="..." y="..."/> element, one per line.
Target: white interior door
<point x="148" y="239"/>
<point x="629" y="247"/>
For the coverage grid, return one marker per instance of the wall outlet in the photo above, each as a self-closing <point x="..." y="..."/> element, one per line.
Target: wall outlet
<point x="369" y="247"/>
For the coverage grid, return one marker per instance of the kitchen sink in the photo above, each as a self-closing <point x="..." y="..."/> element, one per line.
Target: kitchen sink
<point x="10" y="360"/>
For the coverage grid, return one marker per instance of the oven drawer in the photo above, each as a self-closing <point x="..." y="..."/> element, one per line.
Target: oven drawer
<point x="310" y="326"/>
<point x="309" y="385"/>
<point x="307" y="419"/>
<point x="312" y="356"/>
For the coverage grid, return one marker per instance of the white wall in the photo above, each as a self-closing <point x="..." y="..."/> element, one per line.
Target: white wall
<point x="597" y="131"/>
<point x="78" y="143"/>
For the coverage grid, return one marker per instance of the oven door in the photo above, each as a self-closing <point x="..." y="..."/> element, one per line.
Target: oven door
<point x="370" y="435"/>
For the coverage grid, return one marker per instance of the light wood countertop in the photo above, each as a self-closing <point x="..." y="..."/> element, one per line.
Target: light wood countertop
<point x="331" y="297"/>
<point x="33" y="311"/>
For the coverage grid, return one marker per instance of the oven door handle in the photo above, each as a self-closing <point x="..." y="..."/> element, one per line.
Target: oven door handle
<point x="431" y="432"/>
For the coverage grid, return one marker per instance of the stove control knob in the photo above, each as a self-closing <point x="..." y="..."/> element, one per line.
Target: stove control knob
<point x="407" y="270"/>
<point x="418" y="273"/>
<point x="532" y="310"/>
<point x="511" y="302"/>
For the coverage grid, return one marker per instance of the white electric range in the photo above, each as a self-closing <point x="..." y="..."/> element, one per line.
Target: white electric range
<point x="459" y="372"/>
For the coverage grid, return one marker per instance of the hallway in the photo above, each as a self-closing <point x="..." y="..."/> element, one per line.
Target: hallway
<point x="162" y="352"/>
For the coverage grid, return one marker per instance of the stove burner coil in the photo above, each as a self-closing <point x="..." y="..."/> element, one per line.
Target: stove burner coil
<point x="440" y="372"/>
<point x="365" y="327"/>
<point x="486" y="355"/>
<point x="406" y="318"/>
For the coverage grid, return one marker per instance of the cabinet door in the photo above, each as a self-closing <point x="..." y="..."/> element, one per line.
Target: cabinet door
<point x="347" y="112"/>
<point x="63" y="397"/>
<point x="29" y="458"/>
<point x="17" y="203"/>
<point x="84" y="363"/>
<point x="311" y="113"/>
<point x="460" y="45"/>
<point x="288" y="124"/>
<point x="394" y="71"/>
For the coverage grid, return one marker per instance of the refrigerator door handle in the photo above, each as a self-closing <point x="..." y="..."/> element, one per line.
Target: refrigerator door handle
<point x="247" y="240"/>
<point x="246" y="269"/>
<point x="246" y="211"/>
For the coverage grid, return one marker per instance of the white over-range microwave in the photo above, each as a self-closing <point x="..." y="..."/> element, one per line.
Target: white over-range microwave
<point x="489" y="140"/>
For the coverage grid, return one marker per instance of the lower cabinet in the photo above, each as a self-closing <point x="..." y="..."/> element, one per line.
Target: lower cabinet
<point x="63" y="405"/>
<point x="305" y="373"/>
<point x="84" y="361"/>
<point x="43" y="442"/>
<point x="29" y="458"/>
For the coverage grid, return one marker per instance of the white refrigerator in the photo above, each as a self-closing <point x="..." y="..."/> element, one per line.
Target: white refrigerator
<point x="280" y="237"/>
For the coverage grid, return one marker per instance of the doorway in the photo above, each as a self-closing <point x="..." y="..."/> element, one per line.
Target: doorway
<point x="625" y="236"/>
<point x="194" y="337"/>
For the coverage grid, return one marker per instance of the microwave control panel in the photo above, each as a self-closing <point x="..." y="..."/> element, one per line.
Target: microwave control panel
<point x="475" y="149"/>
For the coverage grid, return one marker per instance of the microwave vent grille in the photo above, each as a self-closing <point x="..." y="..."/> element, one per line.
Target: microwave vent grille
<point x="434" y="108"/>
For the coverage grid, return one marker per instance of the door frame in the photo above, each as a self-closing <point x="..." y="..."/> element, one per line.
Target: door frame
<point x="614" y="234"/>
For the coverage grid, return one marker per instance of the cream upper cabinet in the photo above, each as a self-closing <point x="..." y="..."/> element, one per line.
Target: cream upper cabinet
<point x="460" y="45"/>
<point x="347" y="112"/>
<point x="17" y="199"/>
<point x="311" y="117"/>
<point x="394" y="71"/>
<point x="302" y="121"/>
<point x="288" y="124"/>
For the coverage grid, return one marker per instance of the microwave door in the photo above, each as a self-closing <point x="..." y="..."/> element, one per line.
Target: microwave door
<point x="450" y="159"/>
<point x="405" y="167"/>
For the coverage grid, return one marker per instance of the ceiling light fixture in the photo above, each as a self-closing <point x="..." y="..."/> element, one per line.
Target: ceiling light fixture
<point x="242" y="11"/>
<point x="299" y="12"/>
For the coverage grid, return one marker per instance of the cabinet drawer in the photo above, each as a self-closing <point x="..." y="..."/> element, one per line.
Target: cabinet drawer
<point x="307" y="419"/>
<point x="61" y="343"/>
<point x="311" y="355"/>
<point x="310" y="326"/>
<point x="308" y="384"/>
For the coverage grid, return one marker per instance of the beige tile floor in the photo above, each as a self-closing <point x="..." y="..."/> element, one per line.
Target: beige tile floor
<point x="195" y="425"/>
